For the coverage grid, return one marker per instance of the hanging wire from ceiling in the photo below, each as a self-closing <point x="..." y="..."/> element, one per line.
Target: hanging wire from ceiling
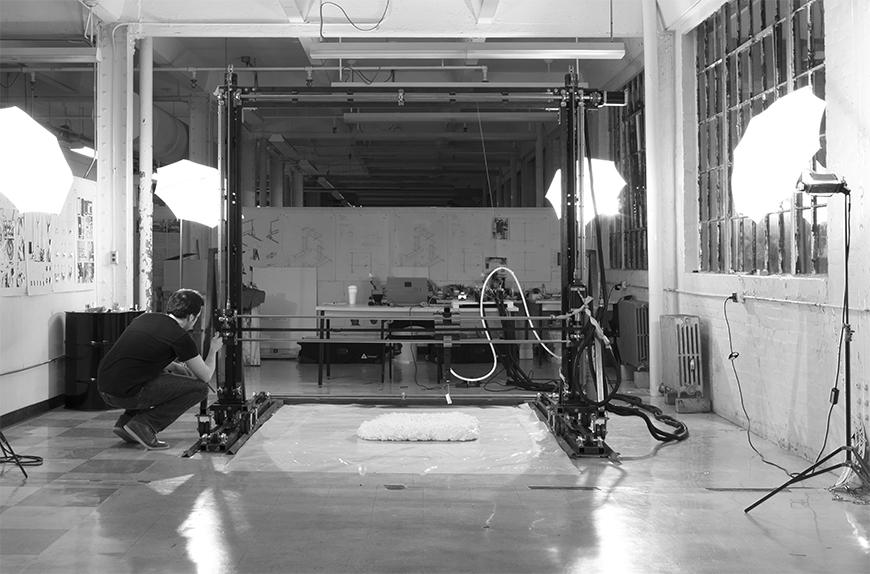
<point x="485" y="160"/>
<point x="349" y="19"/>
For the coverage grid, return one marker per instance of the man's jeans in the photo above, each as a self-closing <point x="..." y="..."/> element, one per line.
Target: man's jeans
<point x="160" y="401"/>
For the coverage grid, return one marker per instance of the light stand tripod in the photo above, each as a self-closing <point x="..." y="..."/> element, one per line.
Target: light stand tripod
<point x="825" y="184"/>
<point x="9" y="454"/>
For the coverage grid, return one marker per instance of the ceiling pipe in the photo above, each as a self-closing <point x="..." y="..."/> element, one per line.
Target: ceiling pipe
<point x="61" y="68"/>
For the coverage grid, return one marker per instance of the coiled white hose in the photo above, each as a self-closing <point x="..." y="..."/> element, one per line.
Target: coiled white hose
<point x="486" y="330"/>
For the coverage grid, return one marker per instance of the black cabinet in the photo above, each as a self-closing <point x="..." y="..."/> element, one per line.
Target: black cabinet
<point x="89" y="336"/>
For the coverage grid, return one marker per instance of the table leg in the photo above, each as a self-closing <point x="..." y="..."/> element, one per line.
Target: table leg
<point x="328" y="349"/>
<point x="320" y="325"/>
<point x="384" y="350"/>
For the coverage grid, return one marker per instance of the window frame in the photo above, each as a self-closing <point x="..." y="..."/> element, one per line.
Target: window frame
<point x="733" y="55"/>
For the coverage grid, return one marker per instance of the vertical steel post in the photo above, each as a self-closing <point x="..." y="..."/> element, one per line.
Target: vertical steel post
<point x="234" y="386"/>
<point x="568" y="228"/>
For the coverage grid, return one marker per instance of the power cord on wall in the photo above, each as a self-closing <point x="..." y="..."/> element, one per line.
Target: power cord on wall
<point x="732" y="356"/>
<point x="835" y="392"/>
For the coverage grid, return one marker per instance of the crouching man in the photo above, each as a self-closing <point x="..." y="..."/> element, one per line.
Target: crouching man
<point x="155" y="372"/>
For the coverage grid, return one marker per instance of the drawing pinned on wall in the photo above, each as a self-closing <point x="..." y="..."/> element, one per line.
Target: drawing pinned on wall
<point x="13" y="277"/>
<point x="85" y="256"/>
<point x="274" y="231"/>
<point x="312" y="252"/>
<point x="248" y="230"/>
<point x="500" y="228"/>
<point x="360" y="240"/>
<point x="42" y="253"/>
<point x="258" y="248"/>
<point x="63" y="245"/>
<point x="490" y="263"/>
<point x="37" y="240"/>
<point x="360" y="263"/>
<point x="423" y="251"/>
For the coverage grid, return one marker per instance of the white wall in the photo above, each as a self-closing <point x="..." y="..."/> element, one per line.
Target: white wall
<point x="787" y="330"/>
<point x="32" y="335"/>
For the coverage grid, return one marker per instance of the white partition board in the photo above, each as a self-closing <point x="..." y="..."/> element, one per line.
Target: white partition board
<point x="446" y="245"/>
<point x="289" y="291"/>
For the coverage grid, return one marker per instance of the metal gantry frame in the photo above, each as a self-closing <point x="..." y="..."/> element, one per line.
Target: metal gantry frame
<point x="227" y="423"/>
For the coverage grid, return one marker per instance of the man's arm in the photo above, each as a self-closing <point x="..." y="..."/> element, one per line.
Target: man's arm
<point x="204" y="369"/>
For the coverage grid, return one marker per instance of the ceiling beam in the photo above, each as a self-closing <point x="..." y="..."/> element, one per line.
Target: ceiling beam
<point x="486" y="12"/>
<point x="295" y="10"/>
<point x="47" y="55"/>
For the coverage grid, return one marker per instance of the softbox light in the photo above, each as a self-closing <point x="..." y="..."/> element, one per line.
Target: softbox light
<point x="191" y="190"/>
<point x="35" y="173"/>
<point x="608" y="184"/>
<point x="776" y="147"/>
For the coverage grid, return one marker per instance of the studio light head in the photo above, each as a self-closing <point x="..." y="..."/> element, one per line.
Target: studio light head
<point x="816" y="183"/>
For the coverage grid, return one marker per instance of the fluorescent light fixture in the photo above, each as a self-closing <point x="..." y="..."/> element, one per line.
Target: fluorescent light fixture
<point x="192" y="191"/>
<point x="396" y="117"/>
<point x="36" y="176"/>
<point x="608" y="185"/>
<point x="85" y="151"/>
<point x="467" y="50"/>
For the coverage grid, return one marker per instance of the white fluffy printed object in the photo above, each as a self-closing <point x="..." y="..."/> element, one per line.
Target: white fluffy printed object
<point x="420" y="427"/>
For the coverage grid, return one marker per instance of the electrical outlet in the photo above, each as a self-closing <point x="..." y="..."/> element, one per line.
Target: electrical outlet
<point x="114" y="257"/>
<point x="737" y="296"/>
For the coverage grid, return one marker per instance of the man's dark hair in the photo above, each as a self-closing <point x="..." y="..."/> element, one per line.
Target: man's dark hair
<point x="184" y="302"/>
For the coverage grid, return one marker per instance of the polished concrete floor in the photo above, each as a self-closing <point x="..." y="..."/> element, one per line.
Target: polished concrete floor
<point x="305" y="495"/>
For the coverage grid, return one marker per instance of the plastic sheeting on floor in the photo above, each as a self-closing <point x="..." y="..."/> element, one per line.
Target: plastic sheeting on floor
<point x="322" y="438"/>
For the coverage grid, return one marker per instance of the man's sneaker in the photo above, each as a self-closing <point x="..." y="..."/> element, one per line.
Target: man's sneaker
<point x="144" y="435"/>
<point x="124" y="435"/>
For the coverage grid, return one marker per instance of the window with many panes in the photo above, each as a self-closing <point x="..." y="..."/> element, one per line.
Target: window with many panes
<point x="628" y="249"/>
<point x="749" y="53"/>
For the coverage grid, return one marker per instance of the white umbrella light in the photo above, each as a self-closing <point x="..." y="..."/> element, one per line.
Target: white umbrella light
<point x="191" y="190"/>
<point x="777" y="145"/>
<point x="608" y="184"/>
<point x="36" y="175"/>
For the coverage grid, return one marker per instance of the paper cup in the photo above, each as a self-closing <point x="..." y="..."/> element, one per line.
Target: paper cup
<point x="351" y="294"/>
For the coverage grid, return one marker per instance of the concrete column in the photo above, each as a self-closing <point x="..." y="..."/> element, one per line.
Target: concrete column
<point x="276" y="181"/>
<point x="298" y="189"/>
<point x="113" y="225"/>
<point x="540" y="184"/>
<point x="146" y="202"/>
<point x="514" y="200"/>
<point x="660" y="149"/>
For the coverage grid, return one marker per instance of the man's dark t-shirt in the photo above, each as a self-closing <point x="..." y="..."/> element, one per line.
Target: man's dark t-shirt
<point x="144" y="349"/>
